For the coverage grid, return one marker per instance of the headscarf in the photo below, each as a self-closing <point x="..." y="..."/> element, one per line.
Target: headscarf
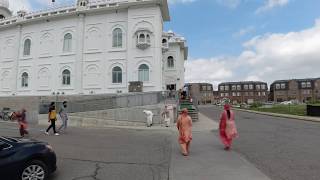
<point x="184" y="111"/>
<point x="227" y="107"/>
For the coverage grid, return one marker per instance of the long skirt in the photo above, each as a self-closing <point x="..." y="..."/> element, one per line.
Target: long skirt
<point x="224" y="139"/>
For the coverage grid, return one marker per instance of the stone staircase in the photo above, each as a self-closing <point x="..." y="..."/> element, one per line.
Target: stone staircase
<point x="192" y="109"/>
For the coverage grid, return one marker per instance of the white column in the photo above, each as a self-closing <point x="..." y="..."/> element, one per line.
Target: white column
<point x="16" y="68"/>
<point x="79" y="61"/>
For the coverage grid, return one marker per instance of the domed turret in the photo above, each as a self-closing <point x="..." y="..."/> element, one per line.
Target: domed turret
<point x="4" y="9"/>
<point x="83" y="3"/>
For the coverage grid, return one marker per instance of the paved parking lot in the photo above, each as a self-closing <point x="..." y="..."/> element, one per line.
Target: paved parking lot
<point x="85" y="154"/>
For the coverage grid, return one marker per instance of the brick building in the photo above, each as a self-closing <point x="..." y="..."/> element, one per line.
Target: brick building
<point x="201" y="93"/>
<point x="244" y="92"/>
<point x="303" y="90"/>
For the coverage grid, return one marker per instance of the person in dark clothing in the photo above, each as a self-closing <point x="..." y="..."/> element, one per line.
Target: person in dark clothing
<point x="52" y="118"/>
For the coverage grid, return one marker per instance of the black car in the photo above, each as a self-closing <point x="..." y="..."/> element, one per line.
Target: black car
<point x="25" y="159"/>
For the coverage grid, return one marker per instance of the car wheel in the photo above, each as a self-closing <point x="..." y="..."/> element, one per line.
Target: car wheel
<point x="34" y="170"/>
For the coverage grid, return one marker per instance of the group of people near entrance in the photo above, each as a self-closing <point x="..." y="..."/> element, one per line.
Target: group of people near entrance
<point x="21" y="118"/>
<point x="227" y="129"/>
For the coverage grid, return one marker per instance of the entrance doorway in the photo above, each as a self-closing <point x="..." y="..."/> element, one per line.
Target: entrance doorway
<point x="171" y="87"/>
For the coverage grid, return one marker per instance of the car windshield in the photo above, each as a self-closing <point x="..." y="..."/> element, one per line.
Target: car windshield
<point x="3" y="145"/>
<point x="9" y="139"/>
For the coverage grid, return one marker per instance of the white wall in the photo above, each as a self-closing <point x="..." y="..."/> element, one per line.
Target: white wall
<point x="91" y="59"/>
<point x="172" y="75"/>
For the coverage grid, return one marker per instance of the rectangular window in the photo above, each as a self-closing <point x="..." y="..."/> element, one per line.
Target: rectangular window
<point x="263" y="93"/>
<point x="246" y="94"/>
<point x="203" y="88"/>
<point x="238" y="87"/>
<point x="283" y="85"/>
<point x="251" y="93"/>
<point x="234" y="87"/>
<point x="259" y="93"/>
<point x="222" y="94"/>
<point x="309" y="84"/>
<point x="258" y="86"/>
<point x="226" y="88"/>
<point x="143" y="75"/>
<point x="66" y="80"/>
<point x="251" y="86"/>
<point x="67" y="44"/>
<point x="234" y="94"/>
<point x="277" y="86"/>
<point x="226" y="94"/>
<point x="238" y="94"/>
<point x="303" y="85"/>
<point x="245" y="87"/>
<point x="221" y="88"/>
<point x="209" y="88"/>
<point x="116" y="77"/>
<point x="263" y="86"/>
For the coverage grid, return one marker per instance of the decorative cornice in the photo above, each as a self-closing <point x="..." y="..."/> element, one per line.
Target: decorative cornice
<point x="102" y="5"/>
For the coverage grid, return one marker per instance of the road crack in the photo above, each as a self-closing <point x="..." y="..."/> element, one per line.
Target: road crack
<point x="93" y="176"/>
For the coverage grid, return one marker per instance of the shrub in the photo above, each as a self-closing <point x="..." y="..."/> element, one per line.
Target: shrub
<point x="256" y="104"/>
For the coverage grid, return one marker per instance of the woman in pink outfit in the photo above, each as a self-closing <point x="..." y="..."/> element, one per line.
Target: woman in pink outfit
<point x="227" y="127"/>
<point x="184" y="125"/>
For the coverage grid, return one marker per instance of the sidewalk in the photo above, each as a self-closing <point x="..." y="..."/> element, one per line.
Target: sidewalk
<point x="303" y="118"/>
<point x="208" y="160"/>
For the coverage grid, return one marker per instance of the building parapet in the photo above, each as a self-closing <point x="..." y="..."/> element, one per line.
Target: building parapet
<point x="68" y="9"/>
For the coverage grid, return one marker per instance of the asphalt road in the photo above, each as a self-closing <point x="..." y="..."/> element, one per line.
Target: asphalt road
<point x="283" y="149"/>
<point x="113" y="154"/>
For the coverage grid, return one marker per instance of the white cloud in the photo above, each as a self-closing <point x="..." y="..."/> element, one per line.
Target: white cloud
<point x="16" y="5"/>
<point x="243" y="31"/>
<point x="270" y="4"/>
<point x="212" y="70"/>
<point x="34" y="5"/>
<point x="268" y="57"/>
<point x="229" y="3"/>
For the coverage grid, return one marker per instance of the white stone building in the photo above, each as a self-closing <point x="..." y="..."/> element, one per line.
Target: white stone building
<point x="92" y="47"/>
<point x="175" y="53"/>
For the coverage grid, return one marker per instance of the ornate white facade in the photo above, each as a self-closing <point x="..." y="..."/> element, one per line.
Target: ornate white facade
<point x="88" y="48"/>
<point x="175" y="54"/>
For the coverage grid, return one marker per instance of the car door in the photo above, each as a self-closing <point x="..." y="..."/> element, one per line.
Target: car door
<point x="7" y="152"/>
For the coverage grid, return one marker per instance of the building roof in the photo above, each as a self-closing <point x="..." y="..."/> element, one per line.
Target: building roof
<point x="242" y="82"/>
<point x="299" y="80"/>
<point x="199" y="84"/>
<point x="93" y="6"/>
<point x="177" y="39"/>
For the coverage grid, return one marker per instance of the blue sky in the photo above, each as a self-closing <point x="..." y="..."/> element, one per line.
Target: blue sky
<point x="239" y="40"/>
<point x="213" y="28"/>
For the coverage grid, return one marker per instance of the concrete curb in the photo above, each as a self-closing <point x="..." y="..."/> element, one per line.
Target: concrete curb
<point x="8" y="122"/>
<point x="303" y="118"/>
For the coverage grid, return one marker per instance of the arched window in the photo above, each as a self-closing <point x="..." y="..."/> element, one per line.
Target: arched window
<point x="27" y="47"/>
<point x="142" y="38"/>
<point x="24" y="79"/>
<point x="117" y="38"/>
<point x="116" y="75"/>
<point x="143" y="72"/>
<point x="66" y="77"/>
<point x="170" y="62"/>
<point x="67" y="43"/>
<point x="2" y="16"/>
<point x="148" y="39"/>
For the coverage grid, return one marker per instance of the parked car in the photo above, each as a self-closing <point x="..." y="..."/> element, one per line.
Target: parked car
<point x="24" y="159"/>
<point x="286" y="102"/>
